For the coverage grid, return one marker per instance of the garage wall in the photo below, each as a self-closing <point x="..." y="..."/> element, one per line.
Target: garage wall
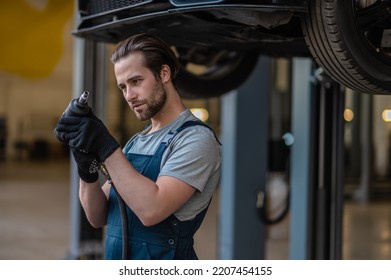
<point x="36" y="55"/>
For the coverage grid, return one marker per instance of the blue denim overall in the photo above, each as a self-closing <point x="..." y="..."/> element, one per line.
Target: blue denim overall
<point x="168" y="240"/>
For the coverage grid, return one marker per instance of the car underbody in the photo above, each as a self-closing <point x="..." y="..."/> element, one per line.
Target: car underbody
<point x="226" y="36"/>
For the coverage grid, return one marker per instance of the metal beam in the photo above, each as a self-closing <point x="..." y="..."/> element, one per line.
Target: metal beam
<point x="89" y="74"/>
<point x="317" y="164"/>
<point x="328" y="168"/>
<point x="244" y="127"/>
<point x="300" y="158"/>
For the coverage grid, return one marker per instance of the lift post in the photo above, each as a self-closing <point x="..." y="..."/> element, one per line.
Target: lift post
<point x="244" y="127"/>
<point x="328" y="173"/>
<point x="317" y="165"/>
<point x="89" y="74"/>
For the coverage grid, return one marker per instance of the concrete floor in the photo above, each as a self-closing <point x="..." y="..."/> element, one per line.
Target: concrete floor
<point x="34" y="215"/>
<point x="35" y="222"/>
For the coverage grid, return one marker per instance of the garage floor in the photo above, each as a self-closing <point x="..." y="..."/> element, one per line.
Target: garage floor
<point x="34" y="219"/>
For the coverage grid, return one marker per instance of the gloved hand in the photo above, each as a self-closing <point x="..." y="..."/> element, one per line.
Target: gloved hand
<point x="60" y="136"/>
<point x="87" y="165"/>
<point x="87" y="134"/>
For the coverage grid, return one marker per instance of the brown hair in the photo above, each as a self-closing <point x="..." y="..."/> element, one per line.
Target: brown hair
<point x="155" y="51"/>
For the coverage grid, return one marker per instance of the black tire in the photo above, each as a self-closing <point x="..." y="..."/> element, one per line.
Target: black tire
<point x="219" y="78"/>
<point x="345" y="39"/>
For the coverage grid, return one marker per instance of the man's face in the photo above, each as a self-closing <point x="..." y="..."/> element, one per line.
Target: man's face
<point x="143" y="92"/>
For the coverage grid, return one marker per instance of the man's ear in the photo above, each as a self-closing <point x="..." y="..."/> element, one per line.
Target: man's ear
<point x="165" y="73"/>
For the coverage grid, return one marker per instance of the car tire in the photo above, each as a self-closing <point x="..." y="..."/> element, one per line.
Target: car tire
<point x="219" y="80"/>
<point x="348" y="48"/>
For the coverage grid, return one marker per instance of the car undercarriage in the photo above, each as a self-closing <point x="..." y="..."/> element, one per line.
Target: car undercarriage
<point x="350" y="39"/>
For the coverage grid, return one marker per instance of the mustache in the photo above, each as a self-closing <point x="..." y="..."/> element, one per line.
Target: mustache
<point x="136" y="103"/>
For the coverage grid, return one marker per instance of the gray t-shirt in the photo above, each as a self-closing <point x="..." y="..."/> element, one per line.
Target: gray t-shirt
<point x="193" y="156"/>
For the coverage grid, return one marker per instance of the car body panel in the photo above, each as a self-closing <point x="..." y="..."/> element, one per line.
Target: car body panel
<point x="234" y="24"/>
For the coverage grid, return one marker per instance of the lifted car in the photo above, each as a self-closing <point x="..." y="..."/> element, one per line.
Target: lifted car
<point x="218" y="41"/>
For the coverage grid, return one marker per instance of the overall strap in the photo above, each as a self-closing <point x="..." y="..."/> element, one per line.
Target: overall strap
<point x="168" y="138"/>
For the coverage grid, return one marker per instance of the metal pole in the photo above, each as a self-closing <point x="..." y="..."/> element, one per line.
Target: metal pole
<point x="89" y="74"/>
<point x="78" y="77"/>
<point x="244" y="136"/>
<point x="300" y="159"/>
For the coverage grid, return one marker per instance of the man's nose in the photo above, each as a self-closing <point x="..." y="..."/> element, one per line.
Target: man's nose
<point x="129" y="94"/>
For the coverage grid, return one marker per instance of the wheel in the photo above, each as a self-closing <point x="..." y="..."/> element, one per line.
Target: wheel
<point x="209" y="73"/>
<point x="351" y="40"/>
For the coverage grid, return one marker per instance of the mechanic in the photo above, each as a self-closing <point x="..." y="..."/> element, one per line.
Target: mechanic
<point x="166" y="174"/>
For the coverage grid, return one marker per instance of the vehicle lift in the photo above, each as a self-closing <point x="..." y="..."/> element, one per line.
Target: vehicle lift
<point x="316" y="164"/>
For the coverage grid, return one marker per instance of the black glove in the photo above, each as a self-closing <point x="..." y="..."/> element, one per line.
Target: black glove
<point x="87" y="134"/>
<point x="60" y="136"/>
<point x="87" y="165"/>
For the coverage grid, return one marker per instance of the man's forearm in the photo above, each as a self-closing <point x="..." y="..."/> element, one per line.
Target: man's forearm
<point x="94" y="203"/>
<point x="151" y="201"/>
<point x="138" y="192"/>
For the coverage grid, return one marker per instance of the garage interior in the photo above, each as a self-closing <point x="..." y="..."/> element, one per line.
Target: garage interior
<point x="292" y="138"/>
<point x="37" y="205"/>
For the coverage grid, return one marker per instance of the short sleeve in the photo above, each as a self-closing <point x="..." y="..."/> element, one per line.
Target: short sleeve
<point x="192" y="157"/>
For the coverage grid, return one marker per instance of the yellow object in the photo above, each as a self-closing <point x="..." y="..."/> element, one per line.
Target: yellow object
<point x="32" y="36"/>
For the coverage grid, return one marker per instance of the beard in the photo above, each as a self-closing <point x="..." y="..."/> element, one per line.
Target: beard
<point x="154" y="103"/>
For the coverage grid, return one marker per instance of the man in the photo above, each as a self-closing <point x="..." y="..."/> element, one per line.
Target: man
<point x="166" y="174"/>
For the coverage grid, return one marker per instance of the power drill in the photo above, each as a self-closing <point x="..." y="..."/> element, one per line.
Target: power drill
<point x="78" y="107"/>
